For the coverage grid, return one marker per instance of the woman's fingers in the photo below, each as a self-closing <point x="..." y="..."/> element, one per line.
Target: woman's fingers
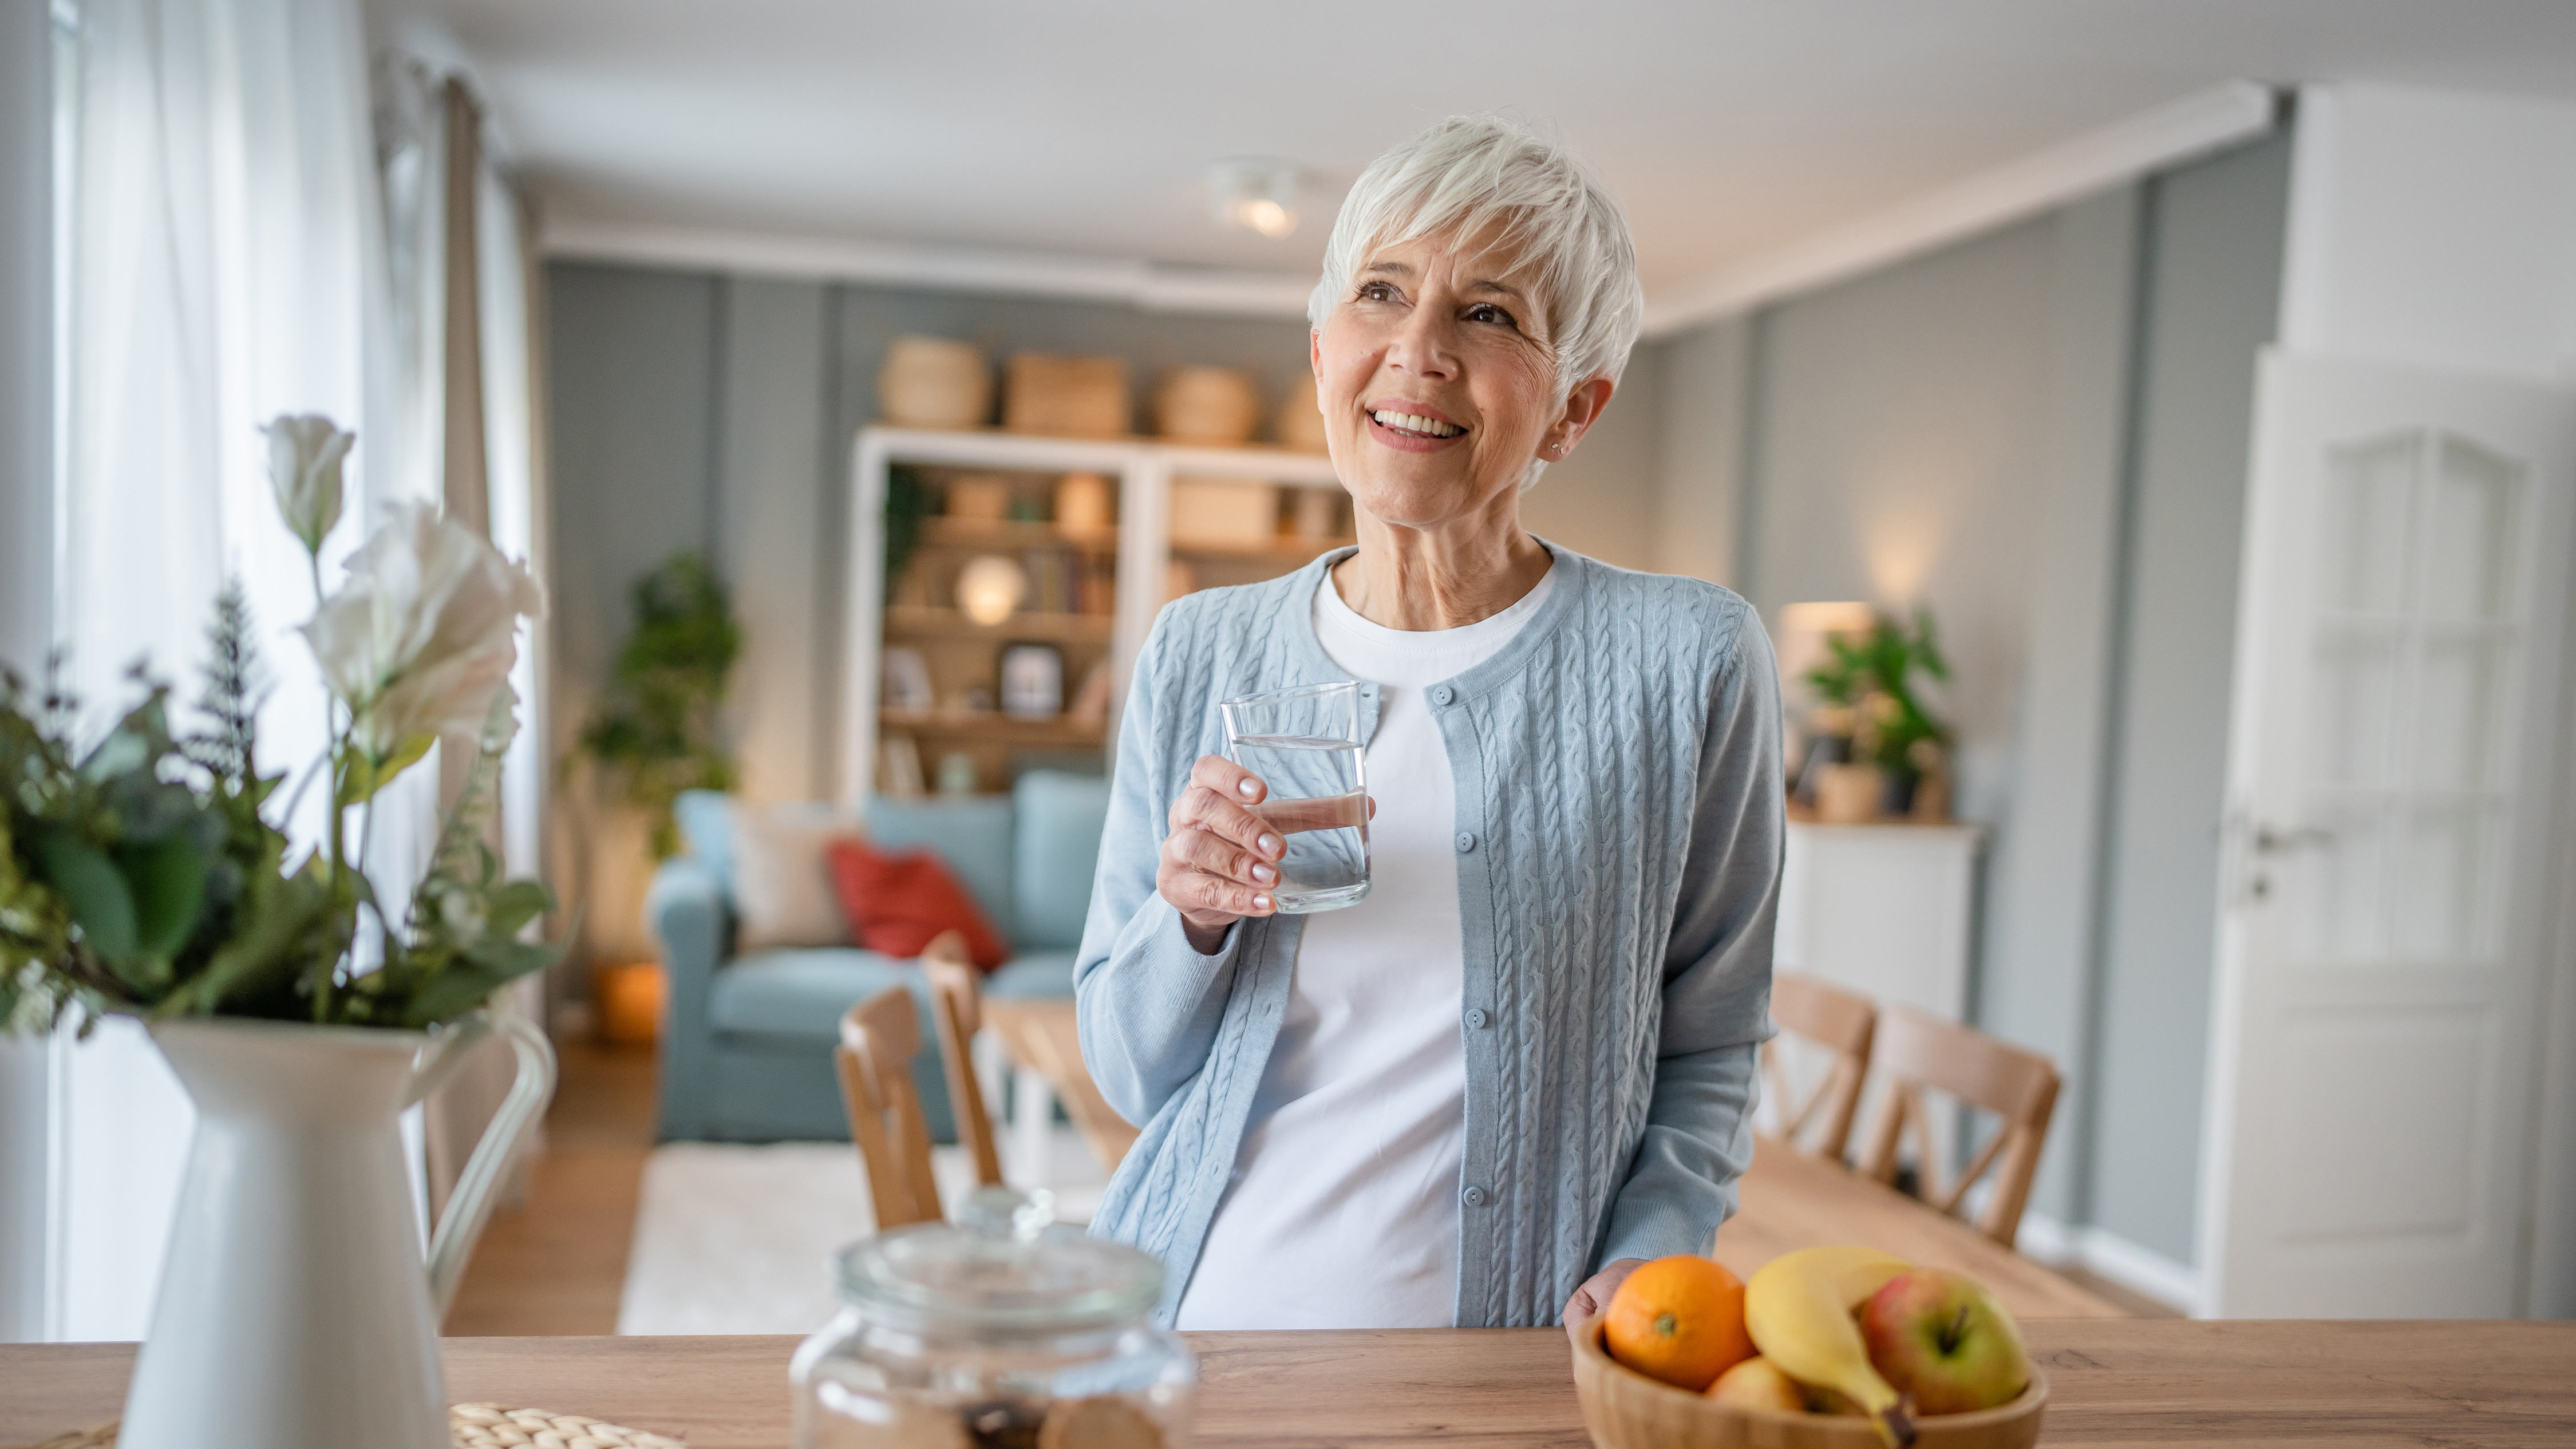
<point x="1209" y="899"/>
<point x="1204" y="850"/>
<point x="1228" y="779"/>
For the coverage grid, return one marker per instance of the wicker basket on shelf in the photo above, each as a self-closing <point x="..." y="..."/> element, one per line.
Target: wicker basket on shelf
<point x="1067" y="397"/>
<point x="932" y="382"/>
<point x="1212" y="405"/>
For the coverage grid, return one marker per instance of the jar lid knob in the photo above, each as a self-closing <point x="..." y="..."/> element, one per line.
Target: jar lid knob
<point x="999" y="1212"/>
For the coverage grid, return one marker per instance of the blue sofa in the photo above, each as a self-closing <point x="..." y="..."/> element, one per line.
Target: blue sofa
<point x="747" y="1040"/>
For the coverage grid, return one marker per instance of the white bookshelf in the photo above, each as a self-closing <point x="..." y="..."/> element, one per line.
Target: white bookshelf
<point x="1143" y="470"/>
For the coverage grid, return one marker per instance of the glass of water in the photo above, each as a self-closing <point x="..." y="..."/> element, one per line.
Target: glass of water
<point x="1304" y="743"/>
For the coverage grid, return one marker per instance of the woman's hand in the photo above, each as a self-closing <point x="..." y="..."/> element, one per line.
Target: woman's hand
<point x="1594" y="1296"/>
<point x="1220" y="861"/>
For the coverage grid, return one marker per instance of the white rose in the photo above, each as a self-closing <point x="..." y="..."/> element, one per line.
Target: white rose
<point x="420" y="636"/>
<point x="304" y="456"/>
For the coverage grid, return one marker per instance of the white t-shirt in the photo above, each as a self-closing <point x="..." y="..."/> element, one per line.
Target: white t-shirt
<point x="1343" y="1208"/>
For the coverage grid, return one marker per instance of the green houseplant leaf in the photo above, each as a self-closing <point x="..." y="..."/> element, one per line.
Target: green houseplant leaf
<point x="102" y="905"/>
<point x="167" y="879"/>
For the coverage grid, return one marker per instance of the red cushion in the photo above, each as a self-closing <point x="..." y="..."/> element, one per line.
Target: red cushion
<point x="897" y="903"/>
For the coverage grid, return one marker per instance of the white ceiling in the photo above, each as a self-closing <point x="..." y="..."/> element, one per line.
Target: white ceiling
<point x="1732" y="129"/>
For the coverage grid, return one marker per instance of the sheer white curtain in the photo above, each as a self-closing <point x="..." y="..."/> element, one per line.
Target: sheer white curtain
<point x="227" y="265"/>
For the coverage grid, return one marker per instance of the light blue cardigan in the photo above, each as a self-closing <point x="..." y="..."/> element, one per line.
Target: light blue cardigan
<point x="1619" y="833"/>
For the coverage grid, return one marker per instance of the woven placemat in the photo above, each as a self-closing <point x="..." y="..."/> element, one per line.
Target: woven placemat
<point x="472" y="1426"/>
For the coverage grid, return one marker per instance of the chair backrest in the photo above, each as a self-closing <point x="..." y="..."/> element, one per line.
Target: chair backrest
<point x="1840" y="1022"/>
<point x="957" y="1005"/>
<point x="1914" y="1051"/>
<point x="879" y="1038"/>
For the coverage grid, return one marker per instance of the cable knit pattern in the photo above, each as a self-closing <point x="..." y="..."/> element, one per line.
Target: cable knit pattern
<point x="1617" y="767"/>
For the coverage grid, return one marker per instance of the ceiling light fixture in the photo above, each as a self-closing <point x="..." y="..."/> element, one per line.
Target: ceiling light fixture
<point x="1256" y="193"/>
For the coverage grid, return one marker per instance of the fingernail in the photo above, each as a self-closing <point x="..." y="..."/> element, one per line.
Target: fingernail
<point x="1264" y="874"/>
<point x="1268" y="845"/>
<point x="1261" y="903"/>
<point x="1247" y="788"/>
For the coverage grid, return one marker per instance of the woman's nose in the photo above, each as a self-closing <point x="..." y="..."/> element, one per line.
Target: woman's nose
<point x="1423" y="345"/>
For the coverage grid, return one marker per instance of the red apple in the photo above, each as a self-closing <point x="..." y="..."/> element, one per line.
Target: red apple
<point x="1943" y="1339"/>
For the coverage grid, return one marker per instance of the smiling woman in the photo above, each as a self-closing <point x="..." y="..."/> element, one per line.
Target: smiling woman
<point x="1523" y="1060"/>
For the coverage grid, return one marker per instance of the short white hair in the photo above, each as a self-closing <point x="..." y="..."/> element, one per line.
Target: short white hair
<point x="1470" y="175"/>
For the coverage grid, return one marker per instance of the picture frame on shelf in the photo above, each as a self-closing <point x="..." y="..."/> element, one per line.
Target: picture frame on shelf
<point x="907" y="681"/>
<point x="1032" y="679"/>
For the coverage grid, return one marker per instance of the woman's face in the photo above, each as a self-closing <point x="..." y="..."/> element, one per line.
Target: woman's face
<point x="1437" y="378"/>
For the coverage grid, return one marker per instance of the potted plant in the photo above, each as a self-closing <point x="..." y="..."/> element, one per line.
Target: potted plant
<point x="1867" y="682"/>
<point x="148" y="874"/>
<point x="655" y="729"/>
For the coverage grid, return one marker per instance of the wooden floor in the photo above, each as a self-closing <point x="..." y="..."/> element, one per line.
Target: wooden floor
<point x="556" y="1263"/>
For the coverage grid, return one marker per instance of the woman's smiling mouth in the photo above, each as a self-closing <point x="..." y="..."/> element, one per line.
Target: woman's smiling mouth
<point x="1399" y="426"/>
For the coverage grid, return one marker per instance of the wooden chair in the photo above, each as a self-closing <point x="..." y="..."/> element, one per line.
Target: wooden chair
<point x="1841" y="1023"/>
<point x="879" y="1039"/>
<point x="1914" y="1051"/>
<point x="957" y="1005"/>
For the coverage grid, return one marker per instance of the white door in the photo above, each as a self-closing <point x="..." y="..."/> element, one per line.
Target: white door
<point x="2373" y="1057"/>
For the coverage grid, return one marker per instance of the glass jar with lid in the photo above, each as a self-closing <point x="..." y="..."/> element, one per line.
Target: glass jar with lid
<point x="1004" y="1330"/>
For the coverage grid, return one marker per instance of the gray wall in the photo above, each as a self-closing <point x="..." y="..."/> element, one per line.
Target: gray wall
<point x="2040" y="434"/>
<point x="1945" y="434"/>
<point x="630" y="373"/>
<point x="1701" y="449"/>
<point x="2211" y="279"/>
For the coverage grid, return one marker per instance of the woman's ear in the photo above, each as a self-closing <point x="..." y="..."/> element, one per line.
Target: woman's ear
<point x="1582" y="407"/>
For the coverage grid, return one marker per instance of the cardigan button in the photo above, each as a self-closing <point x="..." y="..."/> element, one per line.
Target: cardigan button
<point x="1473" y="1196"/>
<point x="1466" y="841"/>
<point x="1477" y="1018"/>
<point x="1443" y="695"/>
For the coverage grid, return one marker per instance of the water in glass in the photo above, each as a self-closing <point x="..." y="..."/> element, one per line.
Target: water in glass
<point x="1304" y="744"/>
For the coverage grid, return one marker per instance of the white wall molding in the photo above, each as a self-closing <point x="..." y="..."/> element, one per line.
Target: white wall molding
<point x="2139" y="1269"/>
<point x="1155" y="287"/>
<point x="2119" y="152"/>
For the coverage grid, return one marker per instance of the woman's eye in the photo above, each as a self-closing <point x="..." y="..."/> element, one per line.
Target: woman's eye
<point x="1376" y="292"/>
<point x="1488" y="312"/>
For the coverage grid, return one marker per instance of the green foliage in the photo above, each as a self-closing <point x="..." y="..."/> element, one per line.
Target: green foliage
<point x="142" y="876"/>
<point x="656" y="726"/>
<point x="1873" y="675"/>
<point x="907" y="504"/>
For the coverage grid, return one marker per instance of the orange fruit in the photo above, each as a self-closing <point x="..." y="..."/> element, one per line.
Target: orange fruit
<point x="1678" y="1319"/>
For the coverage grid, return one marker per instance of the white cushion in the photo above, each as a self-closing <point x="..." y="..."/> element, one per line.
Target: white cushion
<point x="782" y="886"/>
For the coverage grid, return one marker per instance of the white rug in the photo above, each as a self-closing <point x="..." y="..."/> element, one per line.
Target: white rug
<point x="740" y="1239"/>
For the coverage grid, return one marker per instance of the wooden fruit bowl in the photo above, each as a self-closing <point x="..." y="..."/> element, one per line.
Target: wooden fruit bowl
<point x="1624" y="1409"/>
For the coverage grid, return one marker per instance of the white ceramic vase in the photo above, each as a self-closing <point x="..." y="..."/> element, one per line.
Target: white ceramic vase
<point x="295" y="1309"/>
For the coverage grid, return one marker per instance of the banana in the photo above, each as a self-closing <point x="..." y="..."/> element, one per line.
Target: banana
<point x="1798" y="1308"/>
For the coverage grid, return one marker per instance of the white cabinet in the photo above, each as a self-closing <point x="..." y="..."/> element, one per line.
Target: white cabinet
<point x="1881" y="909"/>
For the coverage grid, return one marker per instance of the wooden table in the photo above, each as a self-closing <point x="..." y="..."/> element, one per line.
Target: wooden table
<point x="1792" y="1200"/>
<point x="1043" y="1036"/>
<point x="2113" y="1382"/>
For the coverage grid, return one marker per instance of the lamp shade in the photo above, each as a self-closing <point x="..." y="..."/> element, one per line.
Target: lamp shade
<point x="989" y="587"/>
<point x="1800" y="640"/>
